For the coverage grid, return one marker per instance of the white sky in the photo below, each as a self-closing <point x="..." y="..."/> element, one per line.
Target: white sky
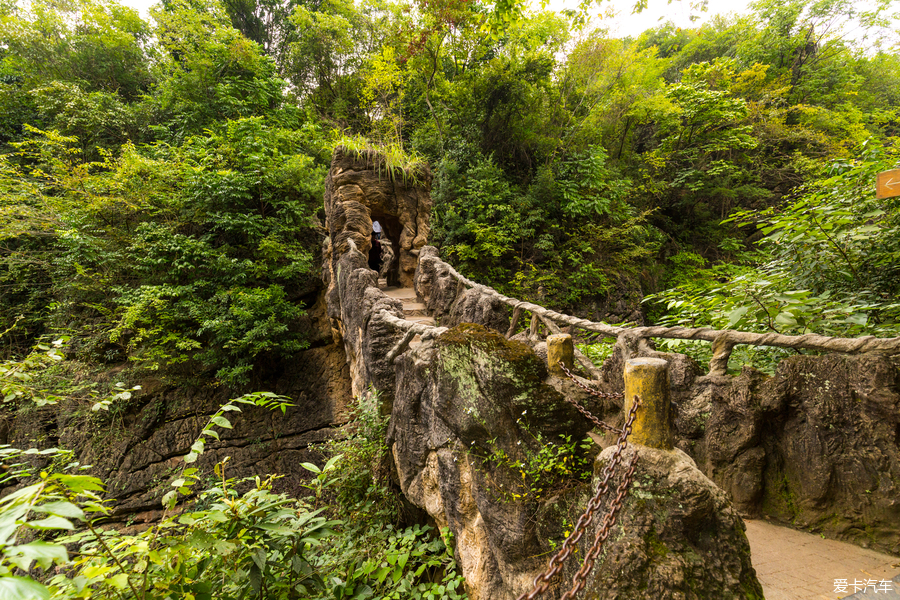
<point x="618" y="17"/>
<point x="622" y="24"/>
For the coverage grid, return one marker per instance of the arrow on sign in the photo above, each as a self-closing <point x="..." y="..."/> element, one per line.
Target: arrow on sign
<point x="887" y="184"/>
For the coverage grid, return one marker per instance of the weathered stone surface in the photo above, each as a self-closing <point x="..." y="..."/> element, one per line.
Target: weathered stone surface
<point x="358" y="190"/>
<point x="677" y="536"/>
<point x="136" y="451"/>
<point x="816" y="446"/>
<point x="461" y="403"/>
<point x="449" y="302"/>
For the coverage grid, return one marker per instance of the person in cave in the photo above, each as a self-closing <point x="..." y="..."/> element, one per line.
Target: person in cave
<point x="375" y="254"/>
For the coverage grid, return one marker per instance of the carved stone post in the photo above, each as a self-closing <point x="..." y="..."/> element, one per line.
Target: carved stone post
<point x="648" y="378"/>
<point x="560" y="349"/>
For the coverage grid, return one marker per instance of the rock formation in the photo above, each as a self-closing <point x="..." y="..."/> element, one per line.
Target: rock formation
<point x="362" y="187"/>
<point x="135" y="448"/>
<point x="677" y="536"/>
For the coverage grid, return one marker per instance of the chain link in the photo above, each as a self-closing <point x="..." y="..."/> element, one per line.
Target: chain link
<point x="585" y="411"/>
<point x="542" y="582"/>
<point x="591" y="391"/>
<point x="608" y="521"/>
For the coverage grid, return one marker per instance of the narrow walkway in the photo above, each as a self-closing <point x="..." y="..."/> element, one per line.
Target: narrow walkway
<point x="793" y="565"/>
<point x="790" y="564"/>
<point x="413" y="310"/>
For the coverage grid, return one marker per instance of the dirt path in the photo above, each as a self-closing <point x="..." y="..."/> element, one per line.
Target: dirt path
<point x="793" y="565"/>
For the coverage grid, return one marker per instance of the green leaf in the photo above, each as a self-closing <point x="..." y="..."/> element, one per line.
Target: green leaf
<point x="169" y="500"/>
<point x="736" y="315"/>
<point x="857" y="319"/>
<point x="61" y="509"/>
<point x="22" y="588"/>
<point x="43" y="553"/>
<point x="120" y="581"/>
<point x="51" y="523"/>
<point x="221" y="422"/>
<point x="786" y="318"/>
<point x="79" y="483"/>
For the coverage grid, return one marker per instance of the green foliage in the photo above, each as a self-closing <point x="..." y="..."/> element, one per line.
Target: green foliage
<point x="391" y="160"/>
<point x="18" y="378"/>
<point x="537" y="473"/>
<point x="187" y="254"/>
<point x="226" y="544"/>
<point x="826" y="265"/>
<point x="598" y="352"/>
<point x="255" y="544"/>
<point x="54" y="503"/>
<point x="370" y="556"/>
<point x="257" y="538"/>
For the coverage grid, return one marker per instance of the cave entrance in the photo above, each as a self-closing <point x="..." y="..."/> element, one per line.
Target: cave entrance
<point x="392" y="228"/>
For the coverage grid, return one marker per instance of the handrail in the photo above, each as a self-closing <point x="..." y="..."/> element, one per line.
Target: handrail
<point x="723" y="340"/>
<point x="411" y="330"/>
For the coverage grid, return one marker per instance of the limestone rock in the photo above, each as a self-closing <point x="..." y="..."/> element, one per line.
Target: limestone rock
<point x="817" y="445"/>
<point x="466" y="408"/>
<point x="136" y="451"/>
<point x="359" y="189"/>
<point x="450" y="302"/>
<point x="676" y="537"/>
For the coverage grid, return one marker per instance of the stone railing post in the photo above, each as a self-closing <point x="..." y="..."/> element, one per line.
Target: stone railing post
<point x="560" y="349"/>
<point x="648" y="378"/>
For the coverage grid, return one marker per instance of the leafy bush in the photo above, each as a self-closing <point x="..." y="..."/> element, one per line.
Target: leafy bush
<point x="827" y="265"/>
<point x="193" y="255"/>
<point x="371" y="556"/>
<point x="226" y="544"/>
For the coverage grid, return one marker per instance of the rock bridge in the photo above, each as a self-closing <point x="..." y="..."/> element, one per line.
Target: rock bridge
<point x="479" y="425"/>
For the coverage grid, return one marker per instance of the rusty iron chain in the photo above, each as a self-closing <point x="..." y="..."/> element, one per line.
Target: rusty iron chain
<point x="608" y="521"/>
<point x="585" y="411"/>
<point x="542" y="582"/>
<point x="591" y="391"/>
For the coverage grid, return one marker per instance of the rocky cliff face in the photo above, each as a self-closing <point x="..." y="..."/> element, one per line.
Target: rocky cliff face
<point x="360" y="188"/>
<point x="470" y="414"/>
<point x="135" y="448"/>
<point x="816" y="446"/>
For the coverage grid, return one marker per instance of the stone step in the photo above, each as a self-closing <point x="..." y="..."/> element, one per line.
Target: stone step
<point x="401" y="293"/>
<point x="414" y="309"/>
<point x="425" y="320"/>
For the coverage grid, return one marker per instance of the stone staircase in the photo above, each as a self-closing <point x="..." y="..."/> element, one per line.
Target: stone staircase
<point x="413" y="310"/>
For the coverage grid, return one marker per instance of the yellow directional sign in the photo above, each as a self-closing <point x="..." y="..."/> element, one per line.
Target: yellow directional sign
<point x="887" y="184"/>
